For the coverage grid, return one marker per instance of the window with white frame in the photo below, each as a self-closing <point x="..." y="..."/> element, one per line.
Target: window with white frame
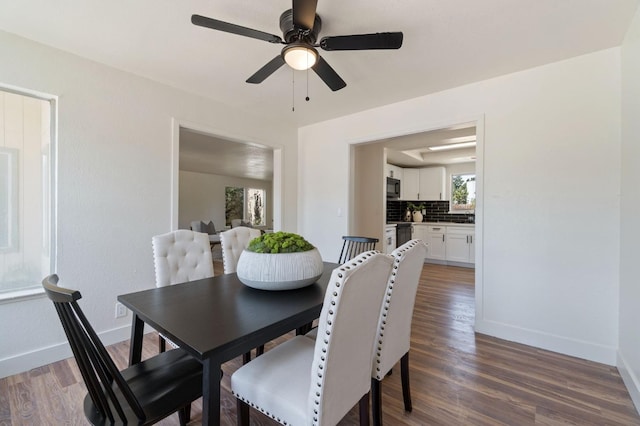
<point x="26" y="233"/>
<point x="255" y="206"/>
<point x="463" y="192"/>
<point x="247" y="204"/>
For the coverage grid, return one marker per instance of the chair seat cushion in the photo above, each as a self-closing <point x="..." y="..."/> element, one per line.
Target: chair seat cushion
<point x="280" y="380"/>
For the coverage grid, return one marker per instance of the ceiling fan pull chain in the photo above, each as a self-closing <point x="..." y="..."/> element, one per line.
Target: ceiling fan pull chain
<point x="293" y="90"/>
<point x="307" y="98"/>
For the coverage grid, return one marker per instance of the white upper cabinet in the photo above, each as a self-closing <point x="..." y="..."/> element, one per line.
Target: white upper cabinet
<point x="432" y="184"/>
<point x="420" y="184"/>
<point x="410" y="187"/>
<point x="393" y="171"/>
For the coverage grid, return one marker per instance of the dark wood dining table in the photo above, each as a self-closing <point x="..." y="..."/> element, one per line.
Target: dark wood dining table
<point x="217" y="319"/>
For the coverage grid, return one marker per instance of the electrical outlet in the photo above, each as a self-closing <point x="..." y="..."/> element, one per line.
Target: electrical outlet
<point x="121" y="311"/>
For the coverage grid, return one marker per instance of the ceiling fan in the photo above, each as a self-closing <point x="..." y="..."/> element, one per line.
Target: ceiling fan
<point x="300" y="27"/>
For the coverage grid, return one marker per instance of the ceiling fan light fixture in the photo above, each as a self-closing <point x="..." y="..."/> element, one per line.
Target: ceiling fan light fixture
<point x="300" y="56"/>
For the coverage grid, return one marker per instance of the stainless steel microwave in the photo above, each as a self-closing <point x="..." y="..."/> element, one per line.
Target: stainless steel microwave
<point x="393" y="189"/>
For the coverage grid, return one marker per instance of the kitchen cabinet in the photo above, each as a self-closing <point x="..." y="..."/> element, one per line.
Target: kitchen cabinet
<point x="436" y="238"/>
<point x="448" y="243"/>
<point x="460" y="244"/>
<point x="393" y="171"/>
<point x="389" y="242"/>
<point x="419" y="232"/>
<point x="431" y="183"/>
<point x="410" y="186"/>
<point x="423" y="184"/>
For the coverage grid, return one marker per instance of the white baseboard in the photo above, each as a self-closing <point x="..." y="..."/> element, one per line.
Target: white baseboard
<point x="42" y="356"/>
<point x="631" y="381"/>
<point x="551" y="342"/>
<point x="450" y="263"/>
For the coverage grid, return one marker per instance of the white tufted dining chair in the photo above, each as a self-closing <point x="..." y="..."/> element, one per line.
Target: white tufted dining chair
<point x="316" y="382"/>
<point x="394" y="323"/>
<point x="180" y="256"/>
<point x="233" y="242"/>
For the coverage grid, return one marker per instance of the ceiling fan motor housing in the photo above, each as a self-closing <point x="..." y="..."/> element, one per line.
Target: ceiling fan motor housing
<point x="292" y="34"/>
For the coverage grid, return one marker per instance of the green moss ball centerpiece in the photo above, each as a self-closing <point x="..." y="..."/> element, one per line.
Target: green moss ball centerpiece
<point x="279" y="261"/>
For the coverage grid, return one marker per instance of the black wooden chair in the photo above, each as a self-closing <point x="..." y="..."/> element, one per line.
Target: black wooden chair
<point x="353" y="246"/>
<point x="141" y="394"/>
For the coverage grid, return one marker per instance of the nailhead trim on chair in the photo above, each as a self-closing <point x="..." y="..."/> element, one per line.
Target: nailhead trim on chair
<point x="338" y="285"/>
<point x="386" y="307"/>
<point x="262" y="410"/>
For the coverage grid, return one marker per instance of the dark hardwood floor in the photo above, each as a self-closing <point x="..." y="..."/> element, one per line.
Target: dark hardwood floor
<point x="457" y="377"/>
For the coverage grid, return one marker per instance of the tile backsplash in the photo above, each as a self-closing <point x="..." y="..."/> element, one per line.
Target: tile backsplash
<point x="436" y="211"/>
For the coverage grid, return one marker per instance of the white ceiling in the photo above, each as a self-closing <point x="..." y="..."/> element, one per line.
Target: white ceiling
<point x="446" y="44"/>
<point x="413" y="150"/>
<point x="207" y="154"/>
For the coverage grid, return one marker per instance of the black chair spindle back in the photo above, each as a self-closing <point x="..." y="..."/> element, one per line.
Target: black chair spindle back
<point x="353" y="246"/>
<point x="96" y="366"/>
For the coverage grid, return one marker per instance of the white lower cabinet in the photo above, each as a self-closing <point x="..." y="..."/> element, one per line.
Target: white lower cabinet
<point x="447" y="243"/>
<point x="437" y="245"/>
<point x="419" y="232"/>
<point x="460" y="244"/>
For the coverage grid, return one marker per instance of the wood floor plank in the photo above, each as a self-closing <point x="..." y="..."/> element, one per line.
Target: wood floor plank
<point x="5" y="404"/>
<point x="458" y="377"/>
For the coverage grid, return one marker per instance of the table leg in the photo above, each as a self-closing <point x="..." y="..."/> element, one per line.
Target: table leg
<point x="211" y="375"/>
<point x="135" y="344"/>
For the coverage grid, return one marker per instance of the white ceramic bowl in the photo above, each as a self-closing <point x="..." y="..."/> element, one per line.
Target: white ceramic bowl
<point x="279" y="271"/>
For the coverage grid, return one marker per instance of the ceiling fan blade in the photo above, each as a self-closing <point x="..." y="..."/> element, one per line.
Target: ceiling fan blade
<point x="214" y="24"/>
<point x="363" y="41"/>
<point x="328" y="75"/>
<point x="304" y="13"/>
<point x="264" y="72"/>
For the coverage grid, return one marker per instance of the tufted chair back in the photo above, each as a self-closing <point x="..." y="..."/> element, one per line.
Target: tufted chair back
<point x="343" y="350"/>
<point x="181" y="256"/>
<point x="394" y="322"/>
<point x="233" y="242"/>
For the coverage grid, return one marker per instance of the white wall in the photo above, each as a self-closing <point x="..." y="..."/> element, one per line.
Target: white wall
<point x="551" y="164"/>
<point x="629" y="343"/>
<point x="369" y="195"/>
<point x="114" y="185"/>
<point x="202" y="197"/>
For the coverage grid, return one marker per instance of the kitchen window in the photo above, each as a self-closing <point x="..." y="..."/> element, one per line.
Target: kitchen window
<point x="463" y="193"/>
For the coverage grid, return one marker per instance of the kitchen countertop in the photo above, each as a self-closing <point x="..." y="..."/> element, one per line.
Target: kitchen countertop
<point x="465" y="224"/>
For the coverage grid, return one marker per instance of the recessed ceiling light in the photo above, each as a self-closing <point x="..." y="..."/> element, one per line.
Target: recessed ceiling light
<point x="458" y="139"/>
<point x="452" y="146"/>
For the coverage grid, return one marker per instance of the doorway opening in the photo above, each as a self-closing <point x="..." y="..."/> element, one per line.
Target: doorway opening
<point x="206" y="162"/>
<point x="411" y="151"/>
